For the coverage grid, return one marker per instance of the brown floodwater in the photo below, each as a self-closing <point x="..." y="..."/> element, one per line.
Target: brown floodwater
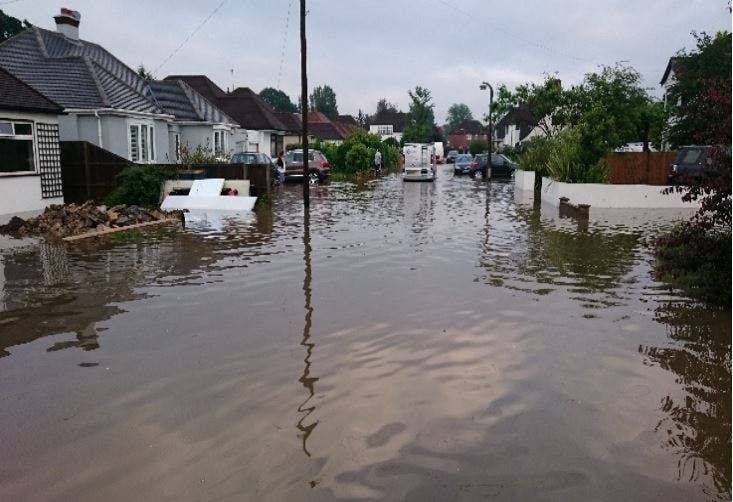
<point x="446" y="341"/>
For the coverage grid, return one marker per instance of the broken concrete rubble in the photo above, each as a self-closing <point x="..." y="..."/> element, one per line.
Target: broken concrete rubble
<point x="72" y="219"/>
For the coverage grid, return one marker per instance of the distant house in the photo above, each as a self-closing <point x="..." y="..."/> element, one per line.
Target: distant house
<point x="388" y="125"/>
<point x="293" y="123"/>
<point x="515" y="127"/>
<point x="326" y="129"/>
<point x="265" y="131"/>
<point x="464" y="133"/>
<point x="196" y="120"/>
<point x="30" y="163"/>
<point x="105" y="102"/>
<point x="668" y="80"/>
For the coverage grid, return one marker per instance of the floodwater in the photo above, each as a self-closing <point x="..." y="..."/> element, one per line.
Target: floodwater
<point x="446" y="341"/>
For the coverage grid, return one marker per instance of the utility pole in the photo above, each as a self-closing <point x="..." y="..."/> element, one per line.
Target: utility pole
<point x="304" y="105"/>
<point x="483" y="87"/>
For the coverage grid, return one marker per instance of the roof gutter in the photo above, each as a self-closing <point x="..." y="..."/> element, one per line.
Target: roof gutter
<point x="115" y="111"/>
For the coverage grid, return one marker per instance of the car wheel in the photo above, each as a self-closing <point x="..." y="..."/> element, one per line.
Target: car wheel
<point x="313" y="177"/>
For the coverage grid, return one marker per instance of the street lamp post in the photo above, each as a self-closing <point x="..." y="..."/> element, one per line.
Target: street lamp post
<point x="483" y="87"/>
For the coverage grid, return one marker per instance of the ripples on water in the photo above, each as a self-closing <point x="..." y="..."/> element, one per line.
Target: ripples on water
<point x="412" y="342"/>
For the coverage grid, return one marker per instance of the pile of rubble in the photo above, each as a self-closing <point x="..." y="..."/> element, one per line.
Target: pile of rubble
<point x="71" y="219"/>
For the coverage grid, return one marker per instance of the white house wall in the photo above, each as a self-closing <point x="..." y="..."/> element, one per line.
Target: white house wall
<point x="21" y="194"/>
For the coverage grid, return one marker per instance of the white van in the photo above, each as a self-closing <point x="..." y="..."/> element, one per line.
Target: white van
<point x="419" y="162"/>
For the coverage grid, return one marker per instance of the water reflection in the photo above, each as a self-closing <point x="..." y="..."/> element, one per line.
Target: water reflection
<point x="698" y="425"/>
<point x="54" y="288"/>
<point x="306" y="379"/>
<point x="590" y="262"/>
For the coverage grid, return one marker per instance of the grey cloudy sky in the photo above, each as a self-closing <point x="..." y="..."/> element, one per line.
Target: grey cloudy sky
<point x="369" y="49"/>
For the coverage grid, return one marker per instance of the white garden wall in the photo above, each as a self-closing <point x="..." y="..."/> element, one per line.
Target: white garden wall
<point x="524" y="180"/>
<point x="599" y="195"/>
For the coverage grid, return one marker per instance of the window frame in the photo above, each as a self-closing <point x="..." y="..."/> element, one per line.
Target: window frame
<point x="149" y="128"/>
<point x="222" y="133"/>
<point x="32" y="137"/>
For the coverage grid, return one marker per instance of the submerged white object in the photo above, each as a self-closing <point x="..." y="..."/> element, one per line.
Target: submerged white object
<point x="206" y="194"/>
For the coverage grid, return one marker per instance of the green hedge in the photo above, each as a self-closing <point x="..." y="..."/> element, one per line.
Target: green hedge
<point x="139" y="186"/>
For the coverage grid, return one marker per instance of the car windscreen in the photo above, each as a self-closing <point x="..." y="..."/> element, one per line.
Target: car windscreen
<point x="689" y="156"/>
<point x="463" y="158"/>
<point x="244" y="158"/>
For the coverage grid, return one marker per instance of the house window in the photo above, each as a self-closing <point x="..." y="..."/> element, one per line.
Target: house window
<point x="385" y="129"/>
<point x="142" y="143"/>
<point x="220" y="142"/>
<point x="469" y="137"/>
<point x="16" y="147"/>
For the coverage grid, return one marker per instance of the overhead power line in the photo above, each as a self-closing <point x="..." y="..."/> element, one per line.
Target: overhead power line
<point x="190" y="36"/>
<point x="285" y="41"/>
<point x="517" y="37"/>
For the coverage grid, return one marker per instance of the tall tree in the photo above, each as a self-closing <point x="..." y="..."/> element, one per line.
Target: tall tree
<point x="545" y="102"/>
<point x="10" y="26"/>
<point x="421" y="118"/>
<point x="384" y="106"/>
<point x="144" y="73"/>
<point x="323" y="100"/>
<point x="457" y="113"/>
<point x="278" y="100"/>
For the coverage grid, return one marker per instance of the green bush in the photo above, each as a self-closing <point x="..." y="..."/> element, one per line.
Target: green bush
<point x="535" y="155"/>
<point x="566" y="160"/>
<point x="478" y="146"/>
<point x="139" y="185"/>
<point x="696" y="260"/>
<point x="359" y="158"/>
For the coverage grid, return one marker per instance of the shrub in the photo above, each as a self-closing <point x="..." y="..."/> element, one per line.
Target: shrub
<point x="139" y="185"/>
<point x="565" y="160"/>
<point x="359" y="158"/>
<point x="535" y="155"/>
<point x="478" y="146"/>
<point x="696" y="260"/>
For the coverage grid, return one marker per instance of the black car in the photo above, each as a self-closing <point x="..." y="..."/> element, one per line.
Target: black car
<point x="451" y="157"/>
<point x="692" y="161"/>
<point x="501" y="166"/>
<point x="257" y="158"/>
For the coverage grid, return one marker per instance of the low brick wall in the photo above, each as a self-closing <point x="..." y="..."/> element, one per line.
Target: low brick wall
<point x="639" y="168"/>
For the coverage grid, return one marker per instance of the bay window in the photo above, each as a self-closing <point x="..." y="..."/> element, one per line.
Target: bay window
<point x="142" y="142"/>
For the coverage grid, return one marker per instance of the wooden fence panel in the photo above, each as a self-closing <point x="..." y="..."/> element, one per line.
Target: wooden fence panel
<point x="90" y="173"/>
<point x="639" y="168"/>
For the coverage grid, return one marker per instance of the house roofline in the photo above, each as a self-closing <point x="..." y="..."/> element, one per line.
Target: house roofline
<point x="115" y="111"/>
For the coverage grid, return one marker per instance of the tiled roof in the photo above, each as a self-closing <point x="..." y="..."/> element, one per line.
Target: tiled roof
<point x="17" y="95"/>
<point x="74" y="73"/>
<point x="396" y="119"/>
<point x="324" y="131"/>
<point x="180" y="100"/>
<point x="347" y="119"/>
<point x="468" y="126"/>
<point x="249" y="110"/>
<point x="202" y="84"/>
<point x="292" y="121"/>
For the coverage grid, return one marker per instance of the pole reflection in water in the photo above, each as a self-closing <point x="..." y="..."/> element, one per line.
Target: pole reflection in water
<point x="306" y="379"/>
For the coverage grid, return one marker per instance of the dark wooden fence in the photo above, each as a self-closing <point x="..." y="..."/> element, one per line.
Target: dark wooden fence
<point x="90" y="173"/>
<point x="639" y="168"/>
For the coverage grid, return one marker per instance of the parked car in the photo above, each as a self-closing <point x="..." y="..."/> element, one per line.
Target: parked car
<point x="692" y="161"/>
<point x="257" y="158"/>
<point x="451" y="157"/>
<point x="501" y="166"/>
<point x="462" y="164"/>
<point x="318" y="168"/>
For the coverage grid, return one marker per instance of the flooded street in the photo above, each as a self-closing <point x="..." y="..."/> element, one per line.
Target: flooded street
<point x="446" y="341"/>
